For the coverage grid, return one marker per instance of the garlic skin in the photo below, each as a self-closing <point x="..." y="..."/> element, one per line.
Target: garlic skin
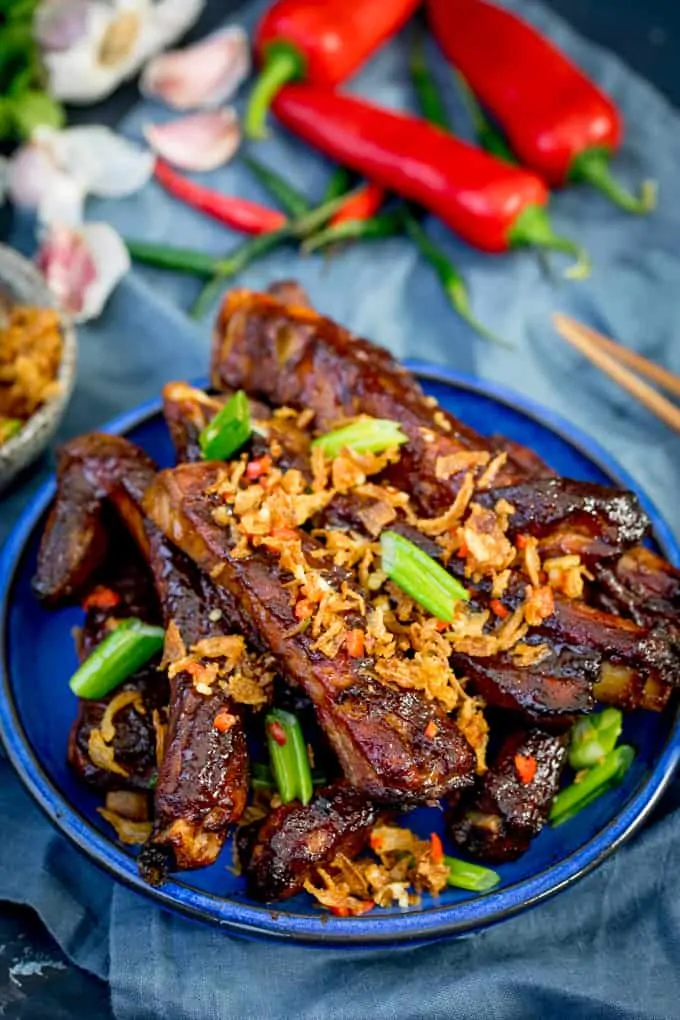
<point x="202" y="76"/>
<point x="108" y="44"/>
<point x="82" y="266"/>
<point x="197" y="141"/>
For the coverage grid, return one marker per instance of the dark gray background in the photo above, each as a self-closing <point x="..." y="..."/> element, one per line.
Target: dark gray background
<point x="646" y="35"/>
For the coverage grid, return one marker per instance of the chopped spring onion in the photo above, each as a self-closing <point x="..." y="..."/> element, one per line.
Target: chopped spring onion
<point x="228" y="430"/>
<point x="122" y="652"/>
<point x="593" y="737"/>
<point x="370" y="435"/>
<point x="593" y="784"/>
<point x="463" y="875"/>
<point x="420" y="576"/>
<point x="8" y="428"/>
<point x="288" y="756"/>
<point x="261" y="777"/>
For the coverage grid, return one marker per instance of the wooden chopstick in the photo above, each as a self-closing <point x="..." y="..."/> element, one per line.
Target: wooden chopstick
<point x="609" y="356"/>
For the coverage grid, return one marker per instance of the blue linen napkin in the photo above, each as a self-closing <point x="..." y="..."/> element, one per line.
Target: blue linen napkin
<point x="606" y="948"/>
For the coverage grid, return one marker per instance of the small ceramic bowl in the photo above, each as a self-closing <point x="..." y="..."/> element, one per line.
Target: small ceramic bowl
<point x="21" y="283"/>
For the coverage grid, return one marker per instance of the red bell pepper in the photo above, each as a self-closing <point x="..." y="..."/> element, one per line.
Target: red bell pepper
<point x="558" y="122"/>
<point x="319" y="41"/>
<point x="491" y="205"/>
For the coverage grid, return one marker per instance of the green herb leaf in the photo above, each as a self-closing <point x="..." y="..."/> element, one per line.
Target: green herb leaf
<point x="34" y="109"/>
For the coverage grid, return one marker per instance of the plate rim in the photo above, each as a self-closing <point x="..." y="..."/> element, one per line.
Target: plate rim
<point x="465" y="916"/>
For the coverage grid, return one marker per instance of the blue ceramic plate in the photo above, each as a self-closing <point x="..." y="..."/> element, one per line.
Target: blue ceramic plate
<point x="37" y="708"/>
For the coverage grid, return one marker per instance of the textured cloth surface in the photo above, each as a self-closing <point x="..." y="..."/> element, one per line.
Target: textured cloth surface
<point x="609" y="946"/>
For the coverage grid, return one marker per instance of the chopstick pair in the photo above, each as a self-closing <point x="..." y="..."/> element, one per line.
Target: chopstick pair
<point x="612" y="358"/>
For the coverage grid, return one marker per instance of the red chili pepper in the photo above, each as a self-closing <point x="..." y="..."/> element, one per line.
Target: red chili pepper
<point x="319" y="41"/>
<point x="362" y="205"/>
<point x="558" y="122"/>
<point x="491" y="205"/>
<point x="526" y="766"/>
<point x="238" y="213"/>
<point x="101" y="597"/>
<point x="499" y="609"/>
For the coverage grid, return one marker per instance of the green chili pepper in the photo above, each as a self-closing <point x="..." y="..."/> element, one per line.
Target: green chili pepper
<point x="122" y="652"/>
<point x="593" y="737"/>
<point x="184" y="260"/>
<point x="228" y="430"/>
<point x="596" y="781"/>
<point x="429" y="99"/>
<point x="451" y="280"/>
<point x="463" y="875"/>
<point x="377" y="227"/>
<point x="370" y="435"/>
<point x="488" y="136"/>
<point x="288" y="756"/>
<point x="420" y="576"/>
<point x="338" y="184"/>
<point x="288" y="197"/>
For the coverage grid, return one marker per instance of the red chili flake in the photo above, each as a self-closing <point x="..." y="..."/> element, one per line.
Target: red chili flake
<point x="304" y="609"/>
<point x="431" y="730"/>
<point x="101" y="597"/>
<point x="354" y="640"/>
<point x="499" y="609"/>
<point x="436" y="848"/>
<point x="526" y="766"/>
<point x="522" y="541"/>
<point x="278" y="733"/>
<point x="441" y="625"/>
<point x="224" y="721"/>
<point x="375" y="842"/>
<point x="463" y="551"/>
<point x="257" y="468"/>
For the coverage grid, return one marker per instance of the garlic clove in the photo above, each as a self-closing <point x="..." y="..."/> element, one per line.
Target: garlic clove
<point x="198" y="141"/>
<point x="204" y="75"/>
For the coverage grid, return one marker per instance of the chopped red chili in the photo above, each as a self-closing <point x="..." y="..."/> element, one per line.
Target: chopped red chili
<point x="277" y="733"/>
<point x="431" y="730"/>
<point x="224" y="721"/>
<point x="526" y="766"/>
<point x="257" y="468"/>
<point x="499" y="609"/>
<point x="437" y="848"/>
<point x="101" y="597"/>
<point x="354" y="642"/>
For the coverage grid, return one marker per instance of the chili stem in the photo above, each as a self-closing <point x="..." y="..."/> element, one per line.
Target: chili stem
<point x="464" y="875"/>
<point x="451" y="280"/>
<point x="338" y="184"/>
<point x="228" y="430"/>
<point x="288" y="197"/>
<point x="122" y="652"/>
<point x="288" y="756"/>
<point x="593" y="737"/>
<point x="592" y="167"/>
<point x="375" y="228"/>
<point x="429" y="99"/>
<point x="487" y="136"/>
<point x="370" y="435"/>
<point x="532" y="227"/>
<point x="596" y="781"/>
<point x="421" y="577"/>
<point x="282" y="64"/>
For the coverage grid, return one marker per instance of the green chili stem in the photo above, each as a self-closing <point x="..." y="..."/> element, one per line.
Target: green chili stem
<point x="122" y="652"/>
<point x="185" y="260"/>
<point x="370" y="435"/>
<point x="596" y="781"/>
<point x="338" y="184"/>
<point x="420" y="576"/>
<point x="283" y="63"/>
<point x="487" y="136"/>
<point x="592" y="166"/>
<point x="288" y="197"/>
<point x="533" y="228"/>
<point x="463" y="875"/>
<point x="383" y="225"/>
<point x="450" y="279"/>
<point x="228" y="430"/>
<point x="593" y="737"/>
<point x="429" y="99"/>
<point x="288" y="756"/>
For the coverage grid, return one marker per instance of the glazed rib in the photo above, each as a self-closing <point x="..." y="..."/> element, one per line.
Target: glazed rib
<point x="278" y="854"/>
<point x="499" y="819"/>
<point x="377" y="732"/>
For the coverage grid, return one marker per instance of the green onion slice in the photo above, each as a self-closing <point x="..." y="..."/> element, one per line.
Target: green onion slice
<point x="122" y="652"/>
<point x="370" y="435"/>
<point x="228" y="430"/>
<point x="475" y="878"/>
<point x="9" y="427"/>
<point x="288" y="756"/>
<point x="420" y="576"/>
<point x="593" y="737"/>
<point x="595" y="782"/>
